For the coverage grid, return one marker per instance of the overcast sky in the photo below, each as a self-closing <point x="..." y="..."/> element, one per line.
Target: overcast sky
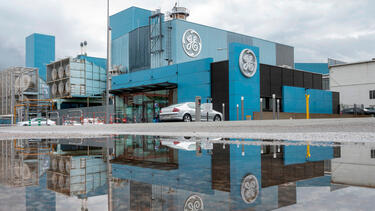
<point x="318" y="29"/>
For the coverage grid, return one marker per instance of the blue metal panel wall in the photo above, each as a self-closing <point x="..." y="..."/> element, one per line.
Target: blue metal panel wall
<point x="40" y="51"/>
<point x="242" y="165"/>
<point x="39" y="197"/>
<point x="294" y="100"/>
<point x="146" y="77"/>
<point x="297" y="154"/>
<point x="30" y="51"/>
<point x="214" y="42"/>
<point x="321" y="68"/>
<point x="194" y="79"/>
<point x="128" y="20"/>
<point x="191" y="169"/>
<point x="240" y="86"/>
<point x="101" y="62"/>
<point x="267" y="51"/>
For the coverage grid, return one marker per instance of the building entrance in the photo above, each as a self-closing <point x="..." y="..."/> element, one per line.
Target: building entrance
<point x="145" y="106"/>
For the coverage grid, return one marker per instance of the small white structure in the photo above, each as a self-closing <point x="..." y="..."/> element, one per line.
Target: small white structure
<point x="355" y="82"/>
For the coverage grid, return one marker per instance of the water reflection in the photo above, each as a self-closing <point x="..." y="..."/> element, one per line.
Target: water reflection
<point x="178" y="173"/>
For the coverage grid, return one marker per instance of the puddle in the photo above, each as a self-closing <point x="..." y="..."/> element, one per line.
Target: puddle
<point x="131" y="172"/>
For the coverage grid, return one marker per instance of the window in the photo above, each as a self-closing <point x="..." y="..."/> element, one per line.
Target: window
<point x="372" y="94"/>
<point x="373" y="153"/>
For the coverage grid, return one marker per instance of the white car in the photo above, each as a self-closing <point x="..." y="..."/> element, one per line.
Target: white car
<point x="36" y="121"/>
<point x="186" y="112"/>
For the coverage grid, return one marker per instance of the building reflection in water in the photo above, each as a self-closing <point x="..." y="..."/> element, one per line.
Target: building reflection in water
<point x="162" y="173"/>
<point x="170" y="173"/>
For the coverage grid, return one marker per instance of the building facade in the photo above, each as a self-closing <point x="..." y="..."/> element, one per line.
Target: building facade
<point x="40" y="51"/>
<point x="355" y="82"/>
<point x="173" y="61"/>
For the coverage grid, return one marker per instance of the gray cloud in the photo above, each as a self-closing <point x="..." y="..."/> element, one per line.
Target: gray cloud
<point x="341" y="29"/>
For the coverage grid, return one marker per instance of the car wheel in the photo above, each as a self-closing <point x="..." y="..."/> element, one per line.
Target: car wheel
<point x="186" y="118"/>
<point x="217" y="118"/>
<point x="25" y="125"/>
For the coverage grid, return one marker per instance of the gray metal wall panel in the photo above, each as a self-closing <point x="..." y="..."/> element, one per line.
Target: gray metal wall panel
<point x="284" y="55"/>
<point x="139" y="49"/>
<point x="239" y="38"/>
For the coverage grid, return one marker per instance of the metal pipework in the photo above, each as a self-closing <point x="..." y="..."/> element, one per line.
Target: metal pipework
<point x="108" y="66"/>
<point x="242" y="109"/>
<point x="274" y="105"/>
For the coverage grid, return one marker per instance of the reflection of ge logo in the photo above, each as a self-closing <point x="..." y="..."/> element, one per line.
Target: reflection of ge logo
<point x="191" y="42"/>
<point x="248" y="63"/>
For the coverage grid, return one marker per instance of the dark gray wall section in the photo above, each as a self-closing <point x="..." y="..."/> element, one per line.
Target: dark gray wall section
<point x="239" y="38"/>
<point x="139" y="49"/>
<point x="273" y="78"/>
<point x="284" y="55"/>
<point x="335" y="102"/>
<point x="220" y="86"/>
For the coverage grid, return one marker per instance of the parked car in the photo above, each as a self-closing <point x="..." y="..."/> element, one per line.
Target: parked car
<point x="86" y="121"/>
<point x="371" y="110"/>
<point x="359" y="111"/>
<point x="36" y="121"/>
<point x="186" y="112"/>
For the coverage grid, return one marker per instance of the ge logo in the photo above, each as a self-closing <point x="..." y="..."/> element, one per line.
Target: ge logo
<point x="192" y="43"/>
<point x="248" y="63"/>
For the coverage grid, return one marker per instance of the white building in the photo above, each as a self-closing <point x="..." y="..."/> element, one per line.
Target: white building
<point x="356" y="166"/>
<point x="355" y="82"/>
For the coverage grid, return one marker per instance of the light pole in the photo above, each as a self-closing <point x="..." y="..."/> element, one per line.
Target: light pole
<point x="108" y="67"/>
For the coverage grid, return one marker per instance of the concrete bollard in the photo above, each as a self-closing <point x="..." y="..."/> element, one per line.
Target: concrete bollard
<point x="198" y="100"/>
<point x="223" y="107"/>
<point x="237" y="112"/>
<point x="278" y="109"/>
<point x="274" y="106"/>
<point x="261" y="108"/>
<point x="242" y="108"/>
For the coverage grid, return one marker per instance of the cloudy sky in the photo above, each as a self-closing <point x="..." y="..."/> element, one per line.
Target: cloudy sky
<point x="318" y="29"/>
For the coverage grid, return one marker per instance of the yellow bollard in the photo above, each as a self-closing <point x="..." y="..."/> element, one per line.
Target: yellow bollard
<point x="307" y="106"/>
<point x="308" y="155"/>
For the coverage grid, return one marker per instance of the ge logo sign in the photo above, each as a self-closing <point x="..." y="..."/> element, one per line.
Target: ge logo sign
<point x="192" y="43"/>
<point x="248" y="63"/>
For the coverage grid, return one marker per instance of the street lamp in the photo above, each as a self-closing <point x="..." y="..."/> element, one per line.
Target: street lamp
<point x="108" y="66"/>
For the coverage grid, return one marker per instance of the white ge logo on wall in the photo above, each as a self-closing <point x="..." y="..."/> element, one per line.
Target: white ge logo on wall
<point x="192" y="43"/>
<point x="248" y="63"/>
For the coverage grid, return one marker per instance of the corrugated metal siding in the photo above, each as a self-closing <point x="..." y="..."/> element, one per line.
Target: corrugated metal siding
<point x="120" y="52"/>
<point x="127" y="20"/>
<point x="239" y="38"/>
<point x="139" y="49"/>
<point x="284" y="55"/>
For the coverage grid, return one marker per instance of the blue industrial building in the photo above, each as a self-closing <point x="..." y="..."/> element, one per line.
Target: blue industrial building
<point x="161" y="168"/>
<point x="166" y="61"/>
<point x="40" y="51"/>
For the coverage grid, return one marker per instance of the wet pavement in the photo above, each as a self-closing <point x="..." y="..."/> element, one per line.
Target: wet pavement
<point x="130" y="172"/>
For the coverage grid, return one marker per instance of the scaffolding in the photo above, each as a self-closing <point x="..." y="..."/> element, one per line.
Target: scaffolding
<point x="20" y="162"/>
<point x="17" y="84"/>
<point x="31" y="108"/>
